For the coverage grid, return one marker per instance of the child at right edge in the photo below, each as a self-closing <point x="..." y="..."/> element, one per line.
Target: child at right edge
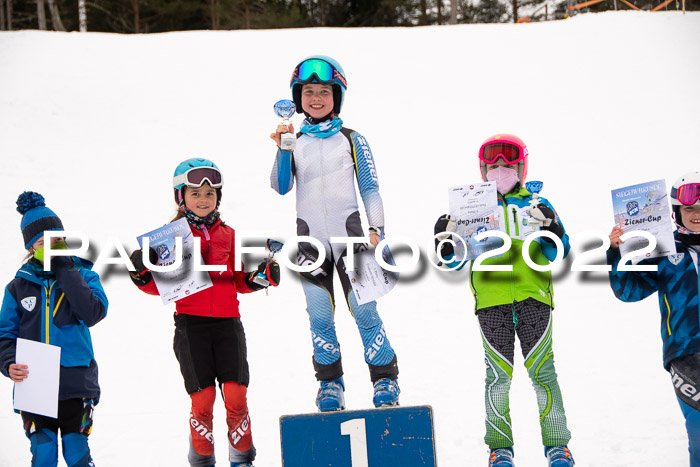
<point x="676" y="280"/>
<point x="516" y="302"/>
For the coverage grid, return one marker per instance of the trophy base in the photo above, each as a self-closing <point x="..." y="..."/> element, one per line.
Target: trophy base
<point x="288" y="142"/>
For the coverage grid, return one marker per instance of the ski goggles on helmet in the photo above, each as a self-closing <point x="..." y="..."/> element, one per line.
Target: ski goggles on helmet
<point x="318" y="71"/>
<point x="510" y="153"/>
<point x="687" y="194"/>
<point x="197" y="176"/>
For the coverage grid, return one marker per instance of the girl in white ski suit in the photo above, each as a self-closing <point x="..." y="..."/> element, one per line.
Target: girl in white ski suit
<point x="327" y="160"/>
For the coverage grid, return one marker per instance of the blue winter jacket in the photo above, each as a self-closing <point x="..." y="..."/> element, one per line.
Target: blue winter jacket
<point x="57" y="309"/>
<point x="677" y="282"/>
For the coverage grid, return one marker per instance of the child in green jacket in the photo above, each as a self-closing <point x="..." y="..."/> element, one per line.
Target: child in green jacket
<point x="517" y="302"/>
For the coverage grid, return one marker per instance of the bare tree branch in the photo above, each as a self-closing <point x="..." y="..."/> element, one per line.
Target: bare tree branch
<point x="56" y="16"/>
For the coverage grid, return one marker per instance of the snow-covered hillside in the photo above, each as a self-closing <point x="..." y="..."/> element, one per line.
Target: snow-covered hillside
<point x="98" y="122"/>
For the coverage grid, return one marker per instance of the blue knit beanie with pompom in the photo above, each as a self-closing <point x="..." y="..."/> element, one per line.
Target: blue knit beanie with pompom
<point x="36" y="217"/>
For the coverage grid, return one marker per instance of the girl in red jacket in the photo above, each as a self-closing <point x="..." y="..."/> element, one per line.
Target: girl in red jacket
<point x="209" y="339"/>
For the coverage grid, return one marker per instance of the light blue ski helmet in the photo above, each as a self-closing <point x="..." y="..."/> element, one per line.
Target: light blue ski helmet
<point x="185" y="176"/>
<point x="322" y="70"/>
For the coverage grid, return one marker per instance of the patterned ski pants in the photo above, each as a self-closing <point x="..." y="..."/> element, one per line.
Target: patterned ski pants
<point x="320" y="305"/>
<point x="532" y="322"/>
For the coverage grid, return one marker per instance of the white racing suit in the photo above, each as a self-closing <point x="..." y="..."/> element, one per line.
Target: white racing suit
<point x="325" y="170"/>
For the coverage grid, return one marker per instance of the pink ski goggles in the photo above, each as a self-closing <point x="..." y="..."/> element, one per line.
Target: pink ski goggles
<point x="687" y="194"/>
<point x="509" y="152"/>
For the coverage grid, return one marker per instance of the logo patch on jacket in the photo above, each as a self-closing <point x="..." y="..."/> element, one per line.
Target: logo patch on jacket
<point x="28" y="303"/>
<point x="675" y="259"/>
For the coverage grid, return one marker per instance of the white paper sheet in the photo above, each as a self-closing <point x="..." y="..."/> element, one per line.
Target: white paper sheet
<point x="475" y="207"/>
<point x="184" y="280"/>
<point x="369" y="281"/>
<point x="645" y="207"/>
<point x="39" y="392"/>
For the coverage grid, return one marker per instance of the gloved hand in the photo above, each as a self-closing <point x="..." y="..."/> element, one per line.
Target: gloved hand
<point x="545" y="214"/>
<point x="137" y="260"/>
<point x="57" y="262"/>
<point x="142" y="275"/>
<point x="445" y="226"/>
<point x="269" y="270"/>
<point x="39" y="252"/>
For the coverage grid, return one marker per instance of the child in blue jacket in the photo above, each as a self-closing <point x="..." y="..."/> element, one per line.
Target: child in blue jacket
<point x="54" y="307"/>
<point x="676" y="280"/>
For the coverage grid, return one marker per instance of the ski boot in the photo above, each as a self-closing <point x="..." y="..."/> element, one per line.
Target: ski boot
<point x="386" y="393"/>
<point x="242" y="464"/>
<point x="331" y="395"/>
<point x="501" y="457"/>
<point x="559" y="456"/>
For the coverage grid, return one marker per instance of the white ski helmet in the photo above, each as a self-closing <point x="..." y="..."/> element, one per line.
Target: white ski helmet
<point x="685" y="192"/>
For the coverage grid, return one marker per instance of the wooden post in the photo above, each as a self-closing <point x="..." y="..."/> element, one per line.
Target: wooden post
<point x="453" y="11"/>
<point x="137" y="16"/>
<point x="8" y="14"/>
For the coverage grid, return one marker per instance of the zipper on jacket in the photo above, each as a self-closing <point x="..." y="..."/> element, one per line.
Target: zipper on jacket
<point x="323" y="184"/>
<point x="507" y="255"/>
<point x="48" y="316"/>
<point x="58" y="303"/>
<point x="668" y="316"/>
<point x="510" y="258"/>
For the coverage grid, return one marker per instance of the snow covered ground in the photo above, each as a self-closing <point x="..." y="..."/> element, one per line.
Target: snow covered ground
<point x="97" y="123"/>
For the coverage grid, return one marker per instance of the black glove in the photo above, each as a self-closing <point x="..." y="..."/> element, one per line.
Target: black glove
<point x="142" y="275"/>
<point x="269" y="270"/>
<point x="545" y="214"/>
<point x="444" y="227"/>
<point x="61" y="262"/>
<point x="272" y="272"/>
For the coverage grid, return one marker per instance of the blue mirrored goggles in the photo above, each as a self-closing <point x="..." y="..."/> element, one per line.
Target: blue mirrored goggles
<point x="318" y="71"/>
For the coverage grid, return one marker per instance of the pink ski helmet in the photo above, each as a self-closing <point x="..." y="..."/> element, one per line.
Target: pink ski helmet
<point x="510" y="148"/>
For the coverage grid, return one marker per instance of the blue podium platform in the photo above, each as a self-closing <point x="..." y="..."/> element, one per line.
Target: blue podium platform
<point x="386" y="437"/>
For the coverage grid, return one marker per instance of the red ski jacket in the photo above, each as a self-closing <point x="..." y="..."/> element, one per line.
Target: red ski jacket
<point x="219" y="301"/>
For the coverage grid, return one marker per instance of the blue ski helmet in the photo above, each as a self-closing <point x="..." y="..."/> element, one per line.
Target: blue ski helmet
<point x="322" y="70"/>
<point x="194" y="173"/>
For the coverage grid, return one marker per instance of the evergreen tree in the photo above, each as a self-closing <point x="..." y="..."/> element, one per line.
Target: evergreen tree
<point x="486" y="11"/>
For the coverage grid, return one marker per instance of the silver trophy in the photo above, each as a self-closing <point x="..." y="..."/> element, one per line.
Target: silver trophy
<point x="285" y="109"/>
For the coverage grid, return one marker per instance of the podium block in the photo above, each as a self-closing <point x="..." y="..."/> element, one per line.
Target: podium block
<point x="386" y="437"/>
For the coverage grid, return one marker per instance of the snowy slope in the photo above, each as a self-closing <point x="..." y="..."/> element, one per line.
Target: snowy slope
<point x="97" y="123"/>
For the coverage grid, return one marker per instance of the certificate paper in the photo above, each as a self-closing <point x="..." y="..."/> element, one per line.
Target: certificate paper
<point x="38" y="393"/>
<point x="645" y="207"/>
<point x="369" y="281"/>
<point x="475" y="207"/>
<point x="184" y="280"/>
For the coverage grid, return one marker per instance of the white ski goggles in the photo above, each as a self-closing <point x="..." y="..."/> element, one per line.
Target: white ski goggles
<point x="197" y="176"/>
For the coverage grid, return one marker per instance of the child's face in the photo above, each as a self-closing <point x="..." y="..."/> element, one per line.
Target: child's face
<point x="40" y="243"/>
<point x="317" y="99"/>
<point x="690" y="217"/>
<point x="201" y="201"/>
<point x="499" y="163"/>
